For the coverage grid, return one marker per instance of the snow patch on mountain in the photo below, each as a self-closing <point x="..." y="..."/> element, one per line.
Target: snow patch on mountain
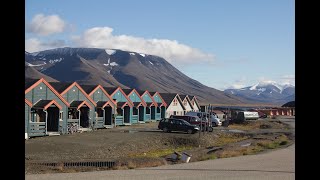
<point x="143" y="55"/>
<point x="150" y="62"/>
<point x="110" y="51"/>
<point x="55" y="60"/>
<point x="132" y="54"/>
<point x="44" y="63"/>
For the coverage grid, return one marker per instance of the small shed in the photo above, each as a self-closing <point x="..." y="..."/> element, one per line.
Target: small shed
<point x="151" y="105"/>
<point x="162" y="106"/>
<point x="124" y="105"/>
<point x="174" y="102"/>
<point x="82" y="107"/>
<point x="105" y="108"/>
<point x="46" y="110"/>
<point x="139" y="106"/>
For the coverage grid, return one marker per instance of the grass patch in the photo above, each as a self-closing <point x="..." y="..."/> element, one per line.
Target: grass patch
<point x="207" y="157"/>
<point x="251" y="125"/>
<point x="279" y="141"/>
<point x="161" y="152"/>
<point x="229" y="138"/>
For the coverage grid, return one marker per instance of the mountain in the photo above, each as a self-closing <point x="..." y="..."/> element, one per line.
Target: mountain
<point x="266" y="93"/>
<point x="113" y="67"/>
<point x="32" y="73"/>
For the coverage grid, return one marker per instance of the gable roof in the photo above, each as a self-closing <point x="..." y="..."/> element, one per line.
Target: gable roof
<point x="103" y="104"/>
<point x="45" y="104"/>
<point x="64" y="87"/>
<point x="88" y="88"/>
<point x="128" y="92"/>
<point x="110" y="90"/>
<point x="113" y="90"/>
<point x="79" y="104"/>
<point x="194" y="98"/>
<point x="104" y="91"/>
<point x="42" y="80"/>
<point x="60" y="86"/>
<point x="168" y="97"/>
<point x="122" y="104"/>
<point x="29" y="82"/>
<point x="28" y="102"/>
<point x="163" y="102"/>
<point x="183" y="97"/>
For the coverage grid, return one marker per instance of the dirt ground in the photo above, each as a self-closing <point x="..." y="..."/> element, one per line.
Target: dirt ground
<point x="145" y="141"/>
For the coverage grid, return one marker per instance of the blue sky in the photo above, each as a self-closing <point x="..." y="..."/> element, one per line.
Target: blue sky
<point x="221" y="43"/>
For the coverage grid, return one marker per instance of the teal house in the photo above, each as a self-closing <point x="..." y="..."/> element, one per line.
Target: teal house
<point x="139" y="106"/>
<point x="161" y="105"/>
<point x="105" y="108"/>
<point x="124" y="105"/>
<point x="45" y="109"/>
<point x="82" y="108"/>
<point x="151" y="105"/>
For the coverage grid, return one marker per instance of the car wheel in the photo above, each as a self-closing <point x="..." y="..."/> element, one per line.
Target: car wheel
<point x="210" y="129"/>
<point x="165" y="129"/>
<point x="214" y="124"/>
<point x="189" y="131"/>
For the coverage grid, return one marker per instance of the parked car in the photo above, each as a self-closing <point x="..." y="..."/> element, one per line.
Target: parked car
<point x="215" y="120"/>
<point x="195" y="120"/>
<point x="172" y="124"/>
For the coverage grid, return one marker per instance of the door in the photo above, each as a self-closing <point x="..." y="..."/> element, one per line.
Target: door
<point x="108" y="115"/>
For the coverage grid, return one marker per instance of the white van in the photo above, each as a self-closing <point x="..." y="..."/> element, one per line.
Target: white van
<point x="215" y="121"/>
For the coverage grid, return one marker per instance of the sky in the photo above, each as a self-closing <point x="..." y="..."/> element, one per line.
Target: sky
<point x="220" y="43"/>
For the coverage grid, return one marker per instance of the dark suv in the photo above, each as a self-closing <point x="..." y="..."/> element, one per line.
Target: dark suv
<point x="195" y="120"/>
<point x="172" y="124"/>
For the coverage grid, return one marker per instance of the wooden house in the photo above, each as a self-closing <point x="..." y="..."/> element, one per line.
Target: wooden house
<point x="186" y="103"/>
<point x="174" y="102"/>
<point x="124" y="105"/>
<point x="151" y="105"/>
<point x="195" y="103"/>
<point x="45" y="109"/>
<point x="161" y="109"/>
<point x="139" y="106"/>
<point x="105" y="108"/>
<point x="82" y="108"/>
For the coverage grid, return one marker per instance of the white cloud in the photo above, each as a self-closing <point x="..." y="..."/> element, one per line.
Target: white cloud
<point x="288" y="79"/>
<point x="46" y="25"/>
<point x="171" y="50"/>
<point x="34" y="45"/>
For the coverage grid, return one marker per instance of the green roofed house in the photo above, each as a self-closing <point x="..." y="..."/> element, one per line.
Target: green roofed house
<point x="105" y="108"/>
<point x="82" y="108"/>
<point x="139" y="106"/>
<point x="186" y="103"/>
<point x="174" y="104"/>
<point x="124" y="105"/>
<point x="194" y="103"/>
<point x="161" y="105"/>
<point x="45" y="109"/>
<point x="151" y="105"/>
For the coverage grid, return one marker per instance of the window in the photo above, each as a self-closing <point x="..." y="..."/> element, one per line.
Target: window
<point x="61" y="116"/>
<point x="147" y="110"/>
<point x="185" y="102"/>
<point x="174" y="112"/>
<point x="158" y="110"/>
<point x="175" y="102"/>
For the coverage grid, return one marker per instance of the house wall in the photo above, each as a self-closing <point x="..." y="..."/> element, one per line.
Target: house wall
<point x="99" y="95"/>
<point x="147" y="98"/>
<point x="120" y="97"/>
<point x="187" y="105"/>
<point x="157" y="98"/>
<point x="134" y="97"/>
<point x="171" y="108"/>
<point x="43" y="92"/>
<point x="27" y="110"/>
<point x="75" y="94"/>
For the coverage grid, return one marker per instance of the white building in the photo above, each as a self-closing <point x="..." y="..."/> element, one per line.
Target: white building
<point x="174" y="104"/>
